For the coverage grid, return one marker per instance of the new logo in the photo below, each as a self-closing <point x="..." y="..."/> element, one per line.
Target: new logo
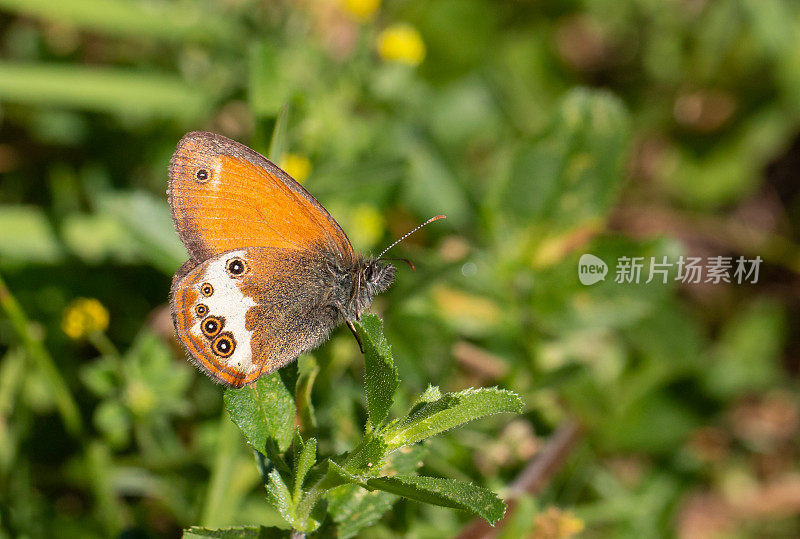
<point x="591" y="269"/>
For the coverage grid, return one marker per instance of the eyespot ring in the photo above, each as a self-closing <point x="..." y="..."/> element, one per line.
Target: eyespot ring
<point x="224" y="345"/>
<point x="201" y="309"/>
<point x="202" y="175"/>
<point x="211" y="326"/>
<point x="206" y="289"/>
<point x="236" y="267"/>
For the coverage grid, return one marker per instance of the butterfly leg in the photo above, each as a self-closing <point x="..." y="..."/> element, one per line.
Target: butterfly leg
<point x="350" y="325"/>
<point x="355" y="334"/>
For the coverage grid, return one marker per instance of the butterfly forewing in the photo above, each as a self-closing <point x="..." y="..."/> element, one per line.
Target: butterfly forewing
<point x="225" y="196"/>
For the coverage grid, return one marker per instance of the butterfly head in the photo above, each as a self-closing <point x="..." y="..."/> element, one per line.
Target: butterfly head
<point x="378" y="275"/>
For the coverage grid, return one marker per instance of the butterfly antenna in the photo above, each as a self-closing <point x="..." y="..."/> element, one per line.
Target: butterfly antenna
<point x="407" y="234"/>
<point x="407" y="261"/>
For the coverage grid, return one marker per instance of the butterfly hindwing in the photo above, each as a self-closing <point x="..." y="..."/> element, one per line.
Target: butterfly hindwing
<point x="246" y="312"/>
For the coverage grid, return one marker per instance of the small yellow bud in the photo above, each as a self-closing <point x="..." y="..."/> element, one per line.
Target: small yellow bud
<point x="297" y="166"/>
<point x="362" y="10"/>
<point x="401" y="43"/>
<point x="84" y="316"/>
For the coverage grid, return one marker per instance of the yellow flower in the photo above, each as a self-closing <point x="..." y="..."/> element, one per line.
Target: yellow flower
<point x="362" y="10"/>
<point x="83" y="316"/>
<point x="297" y="166"/>
<point x="401" y="43"/>
<point x="558" y="524"/>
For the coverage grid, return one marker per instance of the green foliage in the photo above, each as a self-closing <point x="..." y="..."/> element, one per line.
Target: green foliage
<point x="264" y="410"/>
<point x="380" y="372"/>
<point x="544" y="131"/>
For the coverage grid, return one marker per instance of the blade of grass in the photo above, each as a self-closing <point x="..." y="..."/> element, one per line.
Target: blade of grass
<point x="172" y="21"/>
<point x="105" y="90"/>
<point x="62" y="396"/>
<point x="222" y="474"/>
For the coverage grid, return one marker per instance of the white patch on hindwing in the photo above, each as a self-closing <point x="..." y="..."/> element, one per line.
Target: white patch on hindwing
<point x="228" y="302"/>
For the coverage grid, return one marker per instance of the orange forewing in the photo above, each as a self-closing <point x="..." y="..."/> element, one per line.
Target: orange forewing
<point x="244" y="200"/>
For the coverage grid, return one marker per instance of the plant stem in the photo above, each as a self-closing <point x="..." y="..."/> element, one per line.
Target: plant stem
<point x="103" y="344"/>
<point x="44" y="362"/>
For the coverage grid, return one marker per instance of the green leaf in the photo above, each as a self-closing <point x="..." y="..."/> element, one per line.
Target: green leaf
<point x="113" y="90"/>
<point x="747" y="355"/>
<point x="444" y="492"/>
<point x="148" y="223"/>
<point x="248" y="532"/>
<point x="263" y="410"/>
<point x="572" y="175"/>
<point x="380" y="376"/>
<point x="450" y="411"/>
<point x="278" y="140"/>
<point x="353" y="507"/>
<point x="306" y="456"/>
<point x="368" y="457"/>
<point x="279" y="496"/>
<point x="172" y="21"/>
<point x="26" y="236"/>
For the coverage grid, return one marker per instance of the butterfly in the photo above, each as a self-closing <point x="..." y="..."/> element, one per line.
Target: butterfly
<point x="270" y="273"/>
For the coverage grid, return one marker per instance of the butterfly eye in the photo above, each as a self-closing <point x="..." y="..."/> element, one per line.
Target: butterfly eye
<point x="368" y="273"/>
<point x="202" y="175"/>
<point x="206" y="289"/>
<point x="224" y="345"/>
<point x="236" y="266"/>
<point x="211" y="326"/>
<point x="201" y="310"/>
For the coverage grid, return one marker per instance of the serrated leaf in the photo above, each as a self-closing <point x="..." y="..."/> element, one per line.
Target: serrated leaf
<point x="263" y="410"/>
<point x="380" y="376"/>
<point x="353" y="508"/>
<point x="279" y="496"/>
<point x="452" y="410"/>
<point x="245" y="532"/>
<point x="337" y="475"/>
<point x="444" y="492"/>
<point x="368" y="457"/>
<point x="305" y="459"/>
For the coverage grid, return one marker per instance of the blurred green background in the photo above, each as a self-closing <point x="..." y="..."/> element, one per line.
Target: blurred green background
<point x="543" y="129"/>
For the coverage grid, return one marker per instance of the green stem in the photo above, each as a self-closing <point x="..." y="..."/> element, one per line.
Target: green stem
<point x="44" y="362"/>
<point x="103" y="344"/>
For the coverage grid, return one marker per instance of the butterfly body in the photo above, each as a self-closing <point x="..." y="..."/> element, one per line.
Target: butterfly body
<point x="271" y="274"/>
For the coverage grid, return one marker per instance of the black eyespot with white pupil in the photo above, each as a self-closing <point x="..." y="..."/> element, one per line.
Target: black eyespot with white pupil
<point x="211" y="326"/>
<point x="201" y="310"/>
<point x="202" y="175"/>
<point x="224" y="345"/>
<point x="206" y="289"/>
<point x="236" y="267"/>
